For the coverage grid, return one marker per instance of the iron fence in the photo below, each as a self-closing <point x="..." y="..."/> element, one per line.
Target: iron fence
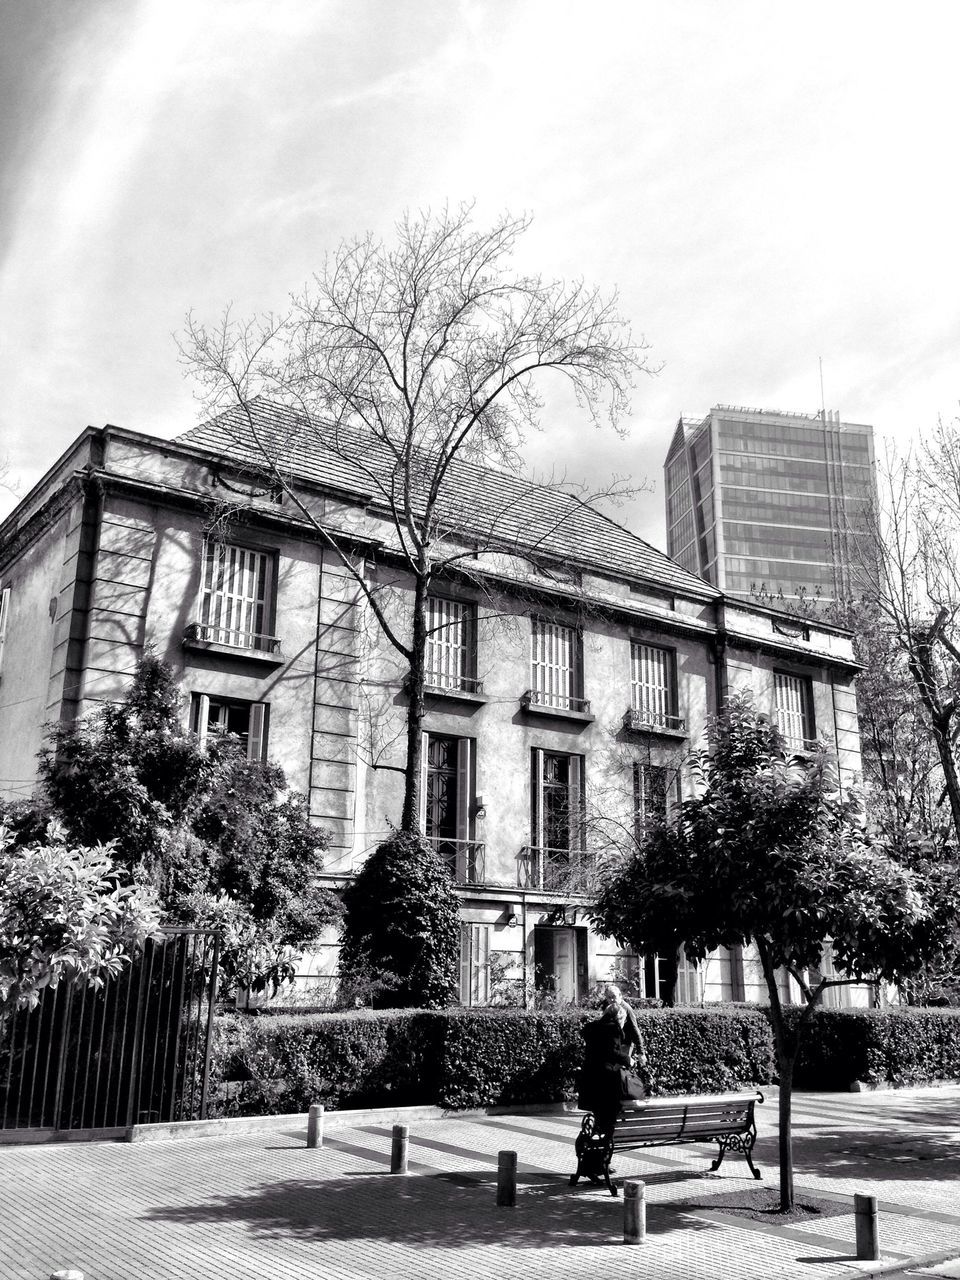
<point x="136" y="1050"/>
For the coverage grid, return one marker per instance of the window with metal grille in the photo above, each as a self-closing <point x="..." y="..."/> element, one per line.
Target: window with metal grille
<point x="556" y="854"/>
<point x="448" y="804"/>
<point x="246" y="720"/>
<point x="450" y="653"/>
<point x="794" y="704"/>
<point x="555" y="666"/>
<point x="652" y="786"/>
<point x="234" y="596"/>
<point x="652" y="684"/>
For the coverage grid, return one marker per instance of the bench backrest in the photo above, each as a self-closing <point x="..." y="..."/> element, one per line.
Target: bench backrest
<point x="668" y="1120"/>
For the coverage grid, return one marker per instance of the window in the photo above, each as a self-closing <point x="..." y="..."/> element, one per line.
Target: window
<point x="475" y="964"/>
<point x="556" y="858"/>
<point x="447" y="801"/>
<point x="451" y="645"/>
<point x="652" y="788"/>
<point x="794" y="703"/>
<point x="555" y="667"/>
<point x="248" y="720"/>
<point x="653" y="692"/>
<point x="4" y="614"/>
<point x="235" y="597"/>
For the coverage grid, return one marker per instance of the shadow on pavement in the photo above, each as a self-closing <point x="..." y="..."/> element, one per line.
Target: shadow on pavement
<point x="435" y="1211"/>
<point x="910" y="1154"/>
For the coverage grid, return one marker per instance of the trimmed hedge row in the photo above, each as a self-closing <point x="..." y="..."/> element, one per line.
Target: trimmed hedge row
<point x="879" y="1046"/>
<point x="464" y="1058"/>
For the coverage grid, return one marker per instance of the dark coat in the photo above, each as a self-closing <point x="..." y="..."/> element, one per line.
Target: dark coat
<point x="605" y="1080"/>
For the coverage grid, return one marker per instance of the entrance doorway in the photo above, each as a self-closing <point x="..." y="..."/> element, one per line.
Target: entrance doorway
<point x="560" y="961"/>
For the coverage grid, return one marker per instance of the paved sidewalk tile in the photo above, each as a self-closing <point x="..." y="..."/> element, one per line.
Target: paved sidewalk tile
<point x="263" y="1207"/>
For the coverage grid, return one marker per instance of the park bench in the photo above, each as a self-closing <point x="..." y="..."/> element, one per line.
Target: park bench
<point x="724" y="1118"/>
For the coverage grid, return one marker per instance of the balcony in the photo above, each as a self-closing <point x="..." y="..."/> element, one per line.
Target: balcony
<point x="441" y="684"/>
<point x="235" y="644"/>
<point x="536" y="702"/>
<point x="464" y="859"/>
<point x="557" y="870"/>
<point x="658" y="722"/>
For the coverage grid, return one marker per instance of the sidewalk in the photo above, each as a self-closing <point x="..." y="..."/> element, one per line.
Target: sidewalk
<point x="264" y="1207"/>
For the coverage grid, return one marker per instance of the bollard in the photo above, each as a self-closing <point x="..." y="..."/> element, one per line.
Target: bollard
<point x="315" y="1125"/>
<point x="634" y="1212"/>
<point x="507" y="1179"/>
<point x="398" y="1148"/>
<point x="868" y="1238"/>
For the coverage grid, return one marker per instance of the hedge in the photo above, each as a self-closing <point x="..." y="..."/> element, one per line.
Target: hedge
<point x="464" y="1058"/>
<point x="903" y="1046"/>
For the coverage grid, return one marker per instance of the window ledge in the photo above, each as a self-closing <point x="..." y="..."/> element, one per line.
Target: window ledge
<point x="534" y="708"/>
<point x="454" y="695"/>
<point x="258" y="656"/>
<point x="635" y="722"/>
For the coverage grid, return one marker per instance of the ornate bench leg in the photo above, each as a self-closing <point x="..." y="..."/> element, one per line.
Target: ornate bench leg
<point x="737" y="1142"/>
<point x="586" y="1149"/>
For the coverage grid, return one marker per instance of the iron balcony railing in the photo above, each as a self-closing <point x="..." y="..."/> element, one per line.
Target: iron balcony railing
<point x="444" y="682"/>
<point x="464" y="858"/>
<point x="557" y="870"/>
<point x="554" y="701"/>
<point x="205" y="633"/>
<point x="637" y="720"/>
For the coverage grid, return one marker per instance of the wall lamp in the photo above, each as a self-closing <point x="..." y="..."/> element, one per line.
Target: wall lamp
<point x="479" y="808"/>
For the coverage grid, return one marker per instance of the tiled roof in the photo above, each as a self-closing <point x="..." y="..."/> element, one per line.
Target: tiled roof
<point x="477" y="500"/>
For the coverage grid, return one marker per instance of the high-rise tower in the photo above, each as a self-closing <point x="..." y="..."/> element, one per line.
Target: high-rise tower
<point x="762" y="501"/>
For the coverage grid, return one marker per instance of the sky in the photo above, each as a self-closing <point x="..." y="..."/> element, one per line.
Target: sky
<point x="766" y="185"/>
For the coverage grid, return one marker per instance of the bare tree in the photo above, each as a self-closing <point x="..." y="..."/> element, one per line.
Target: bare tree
<point x="917" y="597"/>
<point x="410" y="367"/>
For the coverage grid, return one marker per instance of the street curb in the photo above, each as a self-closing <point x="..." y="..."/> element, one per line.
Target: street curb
<point x="238" y="1126"/>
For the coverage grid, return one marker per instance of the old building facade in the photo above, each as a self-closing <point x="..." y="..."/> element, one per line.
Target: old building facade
<point x="566" y="684"/>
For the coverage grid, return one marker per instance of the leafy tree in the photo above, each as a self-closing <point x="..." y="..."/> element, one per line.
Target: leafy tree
<point x="64" y="915"/>
<point x="219" y="837"/>
<point x="401" y="926"/>
<point x="769" y="854"/>
<point x="403" y="366"/>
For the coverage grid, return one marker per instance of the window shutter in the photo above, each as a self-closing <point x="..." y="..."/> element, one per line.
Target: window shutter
<point x="257" y="733"/>
<point x="464" y="789"/>
<point x="536" y="800"/>
<point x="203" y="719"/>
<point x="4" y="614"/>
<point x="424" y="764"/>
<point x="464" y="964"/>
<point x="575" y="802"/>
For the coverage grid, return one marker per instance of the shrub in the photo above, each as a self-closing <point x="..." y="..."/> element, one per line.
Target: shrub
<point x="64" y="915"/>
<point x="401" y="925"/>
<point x="879" y="1046"/>
<point x="464" y="1058"/>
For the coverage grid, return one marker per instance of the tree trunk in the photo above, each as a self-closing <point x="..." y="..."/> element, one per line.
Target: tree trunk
<point x="785" y="1064"/>
<point x="410" y="814"/>
<point x="786" y="1044"/>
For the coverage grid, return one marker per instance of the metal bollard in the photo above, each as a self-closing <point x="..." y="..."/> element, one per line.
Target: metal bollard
<point x="865" y="1217"/>
<point x="634" y="1212"/>
<point x="398" y="1148"/>
<point x="315" y="1125"/>
<point x="507" y="1179"/>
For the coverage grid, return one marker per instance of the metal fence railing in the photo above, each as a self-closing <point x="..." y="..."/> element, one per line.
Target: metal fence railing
<point x="136" y="1050"/>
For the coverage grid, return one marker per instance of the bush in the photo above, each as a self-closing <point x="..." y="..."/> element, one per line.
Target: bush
<point x="879" y="1046"/>
<point x="464" y="1058"/>
<point x="401" y="926"/>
